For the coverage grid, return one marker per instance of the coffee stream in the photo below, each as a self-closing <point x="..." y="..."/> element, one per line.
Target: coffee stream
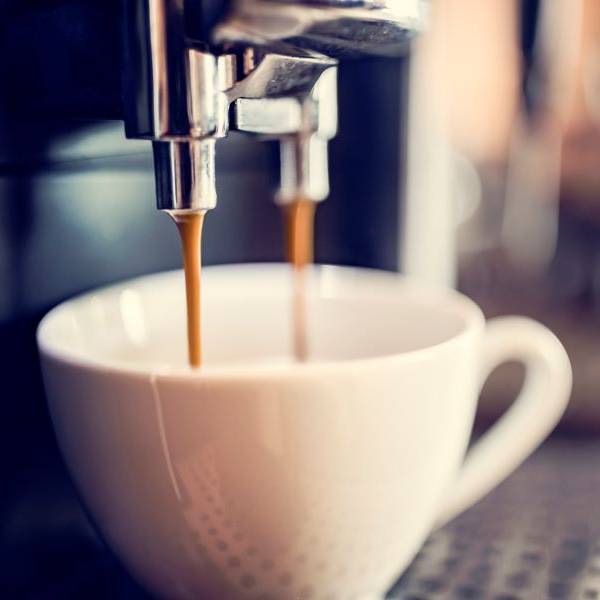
<point x="299" y="240"/>
<point x="190" y="231"/>
<point x="299" y="233"/>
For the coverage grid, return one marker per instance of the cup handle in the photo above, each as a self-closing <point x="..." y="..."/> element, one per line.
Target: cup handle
<point x="535" y="412"/>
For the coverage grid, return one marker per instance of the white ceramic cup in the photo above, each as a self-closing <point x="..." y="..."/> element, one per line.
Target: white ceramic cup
<point x="258" y="478"/>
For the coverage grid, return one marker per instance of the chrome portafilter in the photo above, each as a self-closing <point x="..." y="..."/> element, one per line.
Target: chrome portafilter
<point x="269" y="70"/>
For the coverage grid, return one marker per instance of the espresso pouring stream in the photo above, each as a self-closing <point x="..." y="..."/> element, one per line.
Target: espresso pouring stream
<point x="299" y="234"/>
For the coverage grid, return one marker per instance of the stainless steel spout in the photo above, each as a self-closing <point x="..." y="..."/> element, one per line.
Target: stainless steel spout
<point x="259" y="74"/>
<point x="185" y="175"/>
<point x="293" y="98"/>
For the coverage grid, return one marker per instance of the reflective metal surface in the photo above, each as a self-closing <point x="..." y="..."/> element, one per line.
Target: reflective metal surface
<point x="180" y="91"/>
<point x="293" y="99"/>
<point x="173" y="97"/>
<point x="336" y="28"/>
<point x="185" y="175"/>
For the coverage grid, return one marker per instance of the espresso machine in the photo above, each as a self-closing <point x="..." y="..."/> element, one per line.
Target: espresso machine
<point x="85" y="86"/>
<point x="107" y="107"/>
<point x="184" y="76"/>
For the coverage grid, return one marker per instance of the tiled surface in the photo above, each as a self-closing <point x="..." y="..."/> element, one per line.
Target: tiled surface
<point x="536" y="536"/>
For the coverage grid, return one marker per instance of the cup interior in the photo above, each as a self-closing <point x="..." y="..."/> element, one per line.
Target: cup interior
<point x="352" y="314"/>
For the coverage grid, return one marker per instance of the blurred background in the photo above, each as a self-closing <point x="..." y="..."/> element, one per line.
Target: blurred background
<point x="472" y="161"/>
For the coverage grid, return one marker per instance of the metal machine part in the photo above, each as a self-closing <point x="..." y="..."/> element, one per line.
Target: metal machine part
<point x="185" y="175"/>
<point x="338" y="28"/>
<point x="184" y="94"/>
<point x="294" y="99"/>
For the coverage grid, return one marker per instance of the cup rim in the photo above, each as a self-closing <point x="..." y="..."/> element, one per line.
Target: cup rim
<point x="473" y="319"/>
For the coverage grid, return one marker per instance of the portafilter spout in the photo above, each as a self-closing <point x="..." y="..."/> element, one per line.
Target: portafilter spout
<point x="268" y="69"/>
